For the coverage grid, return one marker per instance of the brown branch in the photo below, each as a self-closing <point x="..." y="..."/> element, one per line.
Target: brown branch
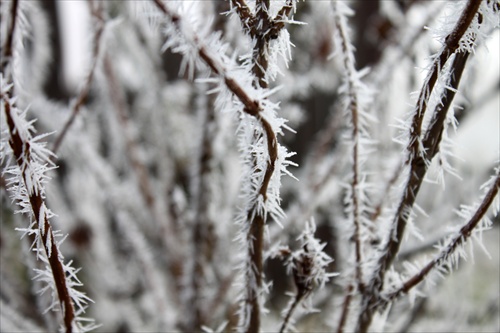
<point x="257" y="221"/>
<point x="404" y="50"/>
<point x="279" y="21"/>
<point x="434" y="134"/>
<point x="256" y="232"/>
<point x="22" y="154"/>
<point x="260" y="50"/>
<point x="355" y="133"/>
<point x="298" y="299"/>
<point x="464" y="234"/>
<point x="7" y="48"/>
<point x="353" y="108"/>
<point x="253" y="108"/>
<point x="247" y="18"/>
<point x="418" y="162"/>
<point x="345" y="308"/>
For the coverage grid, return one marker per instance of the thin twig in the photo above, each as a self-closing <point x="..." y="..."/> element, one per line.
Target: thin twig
<point x="381" y="76"/>
<point x="353" y="105"/>
<point x="8" y="48"/>
<point x="262" y="26"/>
<point x="462" y="236"/>
<point x="345" y="308"/>
<point x="418" y="163"/>
<point x="22" y="154"/>
<point x="253" y="108"/>
<point x="356" y="137"/>
<point x="247" y="19"/>
<point x="84" y="92"/>
<point x="298" y="299"/>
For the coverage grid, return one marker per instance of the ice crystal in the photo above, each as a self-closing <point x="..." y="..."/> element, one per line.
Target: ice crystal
<point x="27" y="178"/>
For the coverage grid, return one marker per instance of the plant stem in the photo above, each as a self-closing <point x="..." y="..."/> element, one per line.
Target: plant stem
<point x="22" y="154"/>
<point x="462" y="236"/>
<point x="418" y="163"/>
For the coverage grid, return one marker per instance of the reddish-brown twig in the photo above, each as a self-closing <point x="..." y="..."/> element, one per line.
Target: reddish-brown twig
<point x="418" y="163"/>
<point x="22" y="153"/>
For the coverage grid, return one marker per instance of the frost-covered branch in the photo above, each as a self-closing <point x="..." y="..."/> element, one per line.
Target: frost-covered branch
<point x="434" y="133"/>
<point x="32" y="162"/>
<point x="247" y="19"/>
<point x="251" y="106"/>
<point x="255" y="213"/>
<point x="355" y="95"/>
<point x="351" y="91"/>
<point x="417" y="161"/>
<point x="255" y="216"/>
<point x="27" y="162"/>
<point x="308" y="266"/>
<point x="449" y="252"/>
<point x="416" y="151"/>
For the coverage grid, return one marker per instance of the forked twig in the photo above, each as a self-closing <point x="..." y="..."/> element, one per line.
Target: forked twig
<point x="418" y="163"/>
<point x="462" y="236"/>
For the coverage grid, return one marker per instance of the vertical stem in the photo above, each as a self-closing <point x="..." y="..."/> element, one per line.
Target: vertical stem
<point x="345" y="308"/>
<point x="355" y="196"/>
<point x="256" y="219"/>
<point x="262" y="27"/>
<point x="298" y="298"/>
<point x="417" y="161"/>
<point x="7" y="48"/>
<point x="256" y="231"/>
<point x="22" y="154"/>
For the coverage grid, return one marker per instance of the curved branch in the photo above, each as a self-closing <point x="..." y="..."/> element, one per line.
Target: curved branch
<point x="252" y="107"/>
<point x="462" y="236"/>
